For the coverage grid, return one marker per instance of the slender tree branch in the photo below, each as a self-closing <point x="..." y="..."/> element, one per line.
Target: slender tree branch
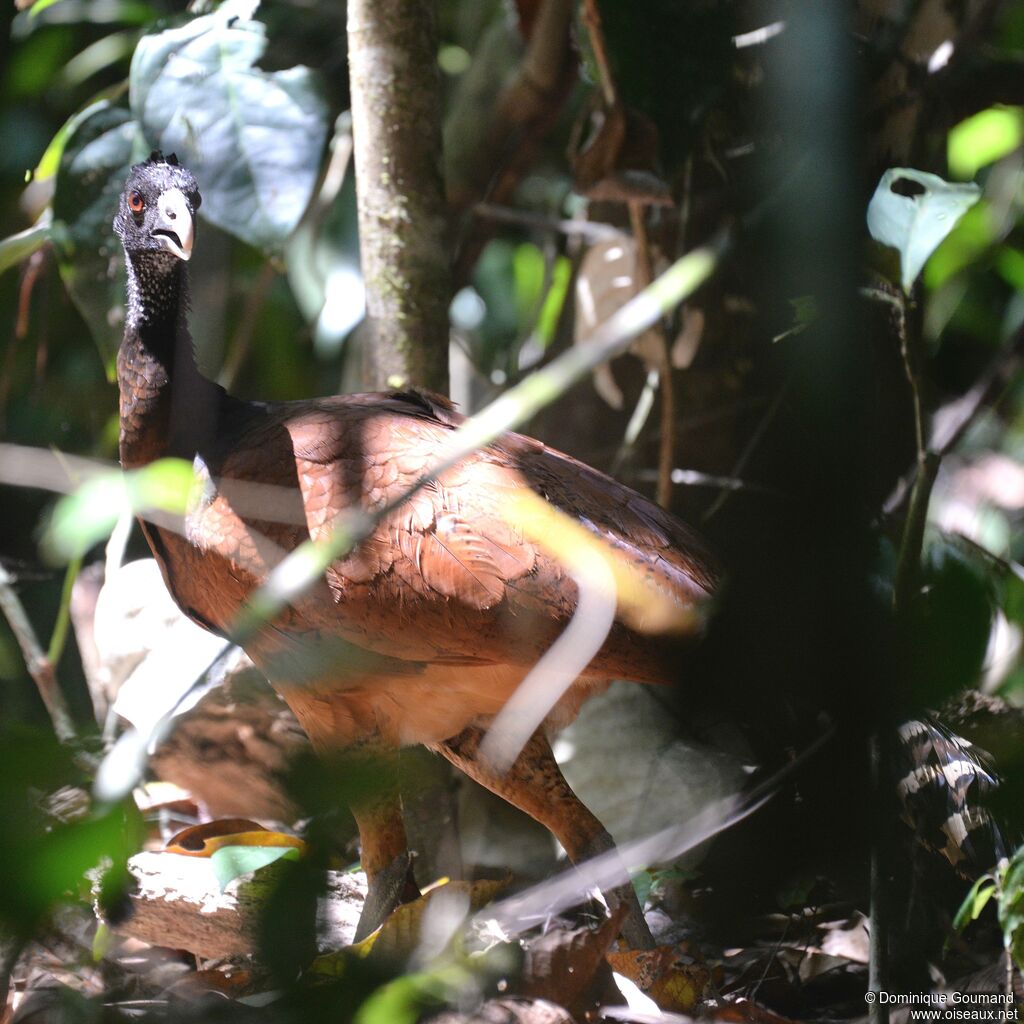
<point x="667" y="440"/>
<point x="748" y="451"/>
<point x="524" y="113"/>
<point x="909" y="560"/>
<point x="595" y="30"/>
<point x="39" y="666"/>
<point x="591" y="230"/>
<point x="951" y="421"/>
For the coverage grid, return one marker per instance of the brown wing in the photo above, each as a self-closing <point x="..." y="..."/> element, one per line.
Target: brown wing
<point x="445" y="578"/>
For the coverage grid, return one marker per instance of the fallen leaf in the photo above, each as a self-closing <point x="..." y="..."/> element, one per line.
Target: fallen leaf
<point x="400" y="934"/>
<point x="662" y="975"/>
<point x="204" y="840"/>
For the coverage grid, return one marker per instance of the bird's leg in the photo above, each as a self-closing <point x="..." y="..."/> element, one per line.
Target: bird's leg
<point x="535" y="784"/>
<point x="384" y="849"/>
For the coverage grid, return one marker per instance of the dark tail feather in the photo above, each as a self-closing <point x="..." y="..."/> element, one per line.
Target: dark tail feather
<point x="945" y="786"/>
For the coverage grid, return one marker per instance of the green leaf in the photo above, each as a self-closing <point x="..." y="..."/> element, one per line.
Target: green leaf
<point x="401" y="1001"/>
<point x="102" y="941"/>
<point x="87" y="516"/>
<point x="974" y="902"/>
<point x="551" y="308"/>
<point x="984" y="138"/>
<point x="39" y="6"/>
<point x="231" y="862"/>
<point x="16" y="248"/>
<point x="528" y="280"/>
<point x="915" y="224"/>
<point x="166" y="484"/>
<point x="1013" y="596"/>
<point x="643" y="882"/>
<point x="963" y="247"/>
<point x="253" y="138"/>
<point x="98" y="149"/>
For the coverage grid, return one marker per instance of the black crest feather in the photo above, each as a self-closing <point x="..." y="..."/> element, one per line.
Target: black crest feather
<point x="157" y="157"/>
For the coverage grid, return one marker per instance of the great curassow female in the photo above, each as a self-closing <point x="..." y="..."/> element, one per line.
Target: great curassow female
<point x="420" y="634"/>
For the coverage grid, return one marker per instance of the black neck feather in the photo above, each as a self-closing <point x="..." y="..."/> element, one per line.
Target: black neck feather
<point x="167" y="406"/>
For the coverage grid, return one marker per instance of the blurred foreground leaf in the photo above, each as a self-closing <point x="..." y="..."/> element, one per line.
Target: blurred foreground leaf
<point x="16" y="248"/>
<point x="86" y="517"/>
<point x="912" y="212"/>
<point x="1011" y="906"/>
<point x="45" y="852"/>
<point x="984" y="138"/>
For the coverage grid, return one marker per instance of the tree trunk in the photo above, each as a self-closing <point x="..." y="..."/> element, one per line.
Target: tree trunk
<point x="396" y="120"/>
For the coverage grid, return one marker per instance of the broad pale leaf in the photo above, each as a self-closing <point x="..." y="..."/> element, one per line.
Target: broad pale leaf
<point x="253" y="138"/>
<point x="231" y="862"/>
<point x="915" y="223"/>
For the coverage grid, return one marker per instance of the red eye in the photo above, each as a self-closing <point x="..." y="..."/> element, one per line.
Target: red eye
<point x="136" y="202"/>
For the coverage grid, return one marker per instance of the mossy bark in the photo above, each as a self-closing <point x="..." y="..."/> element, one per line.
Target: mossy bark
<point x="402" y="217"/>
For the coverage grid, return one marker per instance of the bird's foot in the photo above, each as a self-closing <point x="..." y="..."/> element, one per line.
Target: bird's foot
<point x="387" y="889"/>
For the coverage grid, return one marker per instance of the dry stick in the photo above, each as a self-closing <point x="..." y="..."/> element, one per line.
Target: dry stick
<point x="591" y="230"/>
<point x="741" y="463"/>
<point x="527" y="109"/>
<point x="909" y="562"/>
<point x="592" y="20"/>
<point x="667" y="445"/>
<point x="955" y="417"/>
<point x="40" y="667"/>
<point x="33" y="267"/>
<point x="645" y="274"/>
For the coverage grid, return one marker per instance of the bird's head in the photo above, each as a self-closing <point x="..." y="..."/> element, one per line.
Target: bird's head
<point x="156" y="214"/>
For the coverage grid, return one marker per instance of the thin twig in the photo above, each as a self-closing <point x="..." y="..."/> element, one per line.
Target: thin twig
<point x="748" y="451"/>
<point x="952" y="420"/>
<point x="592" y="231"/>
<point x="524" y="114"/>
<point x="909" y="355"/>
<point x="645" y="273"/>
<point x="909" y="559"/>
<point x="39" y="666"/>
<point x="909" y="562"/>
<point x="592" y="21"/>
<point x="33" y="267"/>
<point x="636" y="423"/>
<point x="667" y="445"/>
